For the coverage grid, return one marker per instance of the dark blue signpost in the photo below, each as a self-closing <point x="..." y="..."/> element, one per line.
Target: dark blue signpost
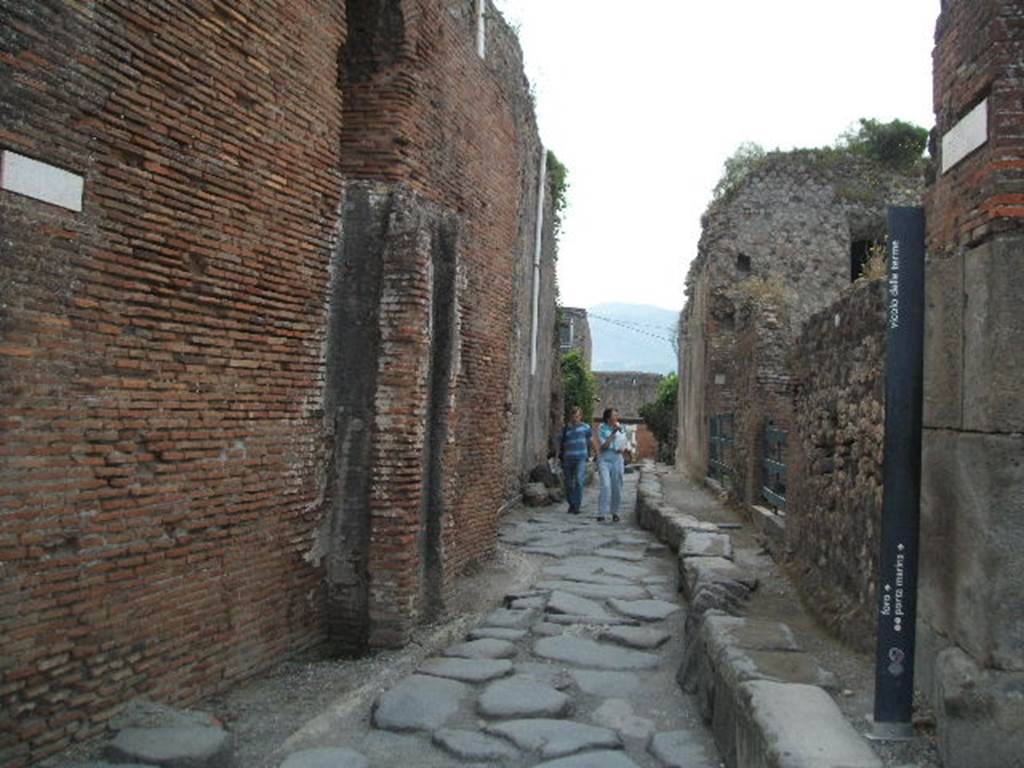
<point x="897" y="591"/>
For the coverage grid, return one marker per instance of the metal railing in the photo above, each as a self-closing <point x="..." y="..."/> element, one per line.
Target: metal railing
<point x="773" y="488"/>
<point x="720" y="441"/>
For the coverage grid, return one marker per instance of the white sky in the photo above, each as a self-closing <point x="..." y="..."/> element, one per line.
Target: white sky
<point x="643" y="101"/>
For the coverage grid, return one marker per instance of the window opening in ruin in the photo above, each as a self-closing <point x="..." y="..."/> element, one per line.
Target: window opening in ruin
<point x="442" y="346"/>
<point x="481" y="28"/>
<point x="860" y="252"/>
<point x="743" y="264"/>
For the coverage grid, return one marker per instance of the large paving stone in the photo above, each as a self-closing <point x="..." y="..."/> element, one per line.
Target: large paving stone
<point x="588" y="653"/>
<point x="555" y="738"/>
<point x="497" y="633"/>
<point x="606" y="684"/>
<point x="326" y="758"/>
<point x="679" y="749"/>
<point x="608" y="566"/>
<point x="522" y="696"/>
<point x="643" y="638"/>
<point x="598" y="591"/>
<point x="564" y="602"/>
<point x="618" y="553"/>
<point x="563" y="550"/>
<point x="645" y="610"/>
<point x="420" y="703"/>
<point x="580" y="573"/>
<point x="466" y="670"/>
<point x="486" y="648"/>
<point x="704" y="544"/>
<point x="601" y="759"/>
<point x="567" y="619"/>
<point x="697" y="571"/>
<point x="550" y="674"/>
<point x="619" y="715"/>
<point x="172" y="747"/>
<point x="507" y="619"/>
<point x="473" y="745"/>
<point x="786" y="725"/>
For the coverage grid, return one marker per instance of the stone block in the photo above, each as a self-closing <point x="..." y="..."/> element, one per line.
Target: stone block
<point x="705" y="544"/>
<point x="979" y="713"/>
<point x="787" y="725"/>
<point x="994" y="337"/>
<point x="943" y="342"/>
<point x="972" y="544"/>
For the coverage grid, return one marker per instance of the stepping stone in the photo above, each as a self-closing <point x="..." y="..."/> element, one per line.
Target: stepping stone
<point x="645" y="610"/>
<point x="591" y="760"/>
<point x="487" y="648"/>
<point x="466" y="670"/>
<point x="606" y="684"/>
<point x="563" y="602"/>
<point x="599" y="591"/>
<point x="419" y="703"/>
<point x="522" y="696"/>
<point x="326" y="758"/>
<point x="644" y="638"/>
<point x="473" y="745"/>
<point x="497" y="633"/>
<point x="555" y="738"/>
<point x="193" y="746"/>
<point x="679" y="749"/>
<point x="618" y="714"/>
<point x="527" y="602"/>
<point x="587" y="653"/>
<point x="621" y="554"/>
<point x="507" y="619"/>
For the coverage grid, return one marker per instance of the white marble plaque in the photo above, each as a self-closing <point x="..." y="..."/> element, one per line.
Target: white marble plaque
<point x="41" y="181"/>
<point x="965" y="137"/>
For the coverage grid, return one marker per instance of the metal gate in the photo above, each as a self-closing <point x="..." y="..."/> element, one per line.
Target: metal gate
<point x="720" y="441"/>
<point x="773" y="488"/>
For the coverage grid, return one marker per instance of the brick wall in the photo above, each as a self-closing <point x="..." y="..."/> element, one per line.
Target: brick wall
<point x="281" y="323"/>
<point x="834" y="504"/>
<point x="970" y="659"/>
<point x="626" y="391"/>
<point x="160" y="353"/>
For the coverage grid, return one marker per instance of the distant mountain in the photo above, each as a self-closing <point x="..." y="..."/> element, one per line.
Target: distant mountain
<point x="633" y="337"/>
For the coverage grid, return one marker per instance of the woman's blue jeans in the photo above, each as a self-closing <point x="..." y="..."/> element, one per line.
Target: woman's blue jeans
<point x="611" y="468"/>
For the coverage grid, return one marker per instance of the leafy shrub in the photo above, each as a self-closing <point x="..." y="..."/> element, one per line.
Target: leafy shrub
<point x="661" y="416"/>
<point x="578" y="385"/>
<point x="747" y="157"/>
<point x="896" y="144"/>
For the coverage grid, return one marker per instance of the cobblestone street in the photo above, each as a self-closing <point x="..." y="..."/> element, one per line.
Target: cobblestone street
<point x="577" y="670"/>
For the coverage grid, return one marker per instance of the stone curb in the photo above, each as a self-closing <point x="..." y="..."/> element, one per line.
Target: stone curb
<point x="763" y="696"/>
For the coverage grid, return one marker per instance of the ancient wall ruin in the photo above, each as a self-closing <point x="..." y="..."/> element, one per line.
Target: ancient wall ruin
<point x="241" y="387"/>
<point x="574" y="333"/>
<point x="626" y="391"/>
<point x="834" y="501"/>
<point x="971" y="604"/>
<point x="792" y="231"/>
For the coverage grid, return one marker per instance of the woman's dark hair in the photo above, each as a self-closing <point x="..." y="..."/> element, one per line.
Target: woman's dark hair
<point x="607" y="414"/>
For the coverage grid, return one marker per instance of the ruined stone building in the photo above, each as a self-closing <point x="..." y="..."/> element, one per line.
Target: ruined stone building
<point x="271" y="273"/>
<point x="775" y="250"/>
<point x="627" y="392"/>
<point x="574" y="333"/>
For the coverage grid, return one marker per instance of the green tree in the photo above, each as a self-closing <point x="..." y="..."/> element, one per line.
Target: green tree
<point x="660" y="417"/>
<point x="896" y="144"/>
<point x="579" y="386"/>
<point x="559" y="175"/>
<point x="738" y="167"/>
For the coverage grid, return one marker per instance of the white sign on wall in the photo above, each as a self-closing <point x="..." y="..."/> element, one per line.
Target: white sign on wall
<point x="965" y="137"/>
<point x="41" y="181"/>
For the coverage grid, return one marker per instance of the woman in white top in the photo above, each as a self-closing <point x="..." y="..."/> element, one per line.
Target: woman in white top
<point x="611" y="439"/>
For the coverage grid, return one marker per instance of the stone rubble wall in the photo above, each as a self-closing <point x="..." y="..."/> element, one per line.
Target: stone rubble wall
<point x="835" y="480"/>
